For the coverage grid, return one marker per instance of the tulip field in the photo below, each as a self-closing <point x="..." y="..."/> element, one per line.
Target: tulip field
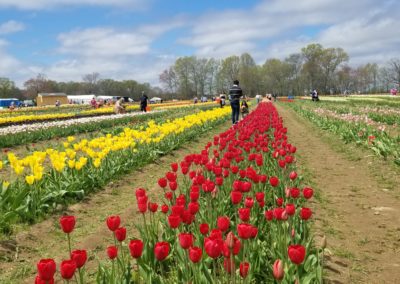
<point x="371" y="122"/>
<point x="232" y="212"/>
<point x="239" y="207"/>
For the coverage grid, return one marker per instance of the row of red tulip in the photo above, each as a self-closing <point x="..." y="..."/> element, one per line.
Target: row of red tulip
<point x="209" y="224"/>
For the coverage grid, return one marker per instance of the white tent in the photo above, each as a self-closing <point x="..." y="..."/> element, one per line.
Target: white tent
<point x="81" y="99"/>
<point x="155" y="100"/>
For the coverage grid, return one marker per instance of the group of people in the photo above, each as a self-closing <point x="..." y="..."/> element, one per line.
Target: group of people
<point x="119" y="106"/>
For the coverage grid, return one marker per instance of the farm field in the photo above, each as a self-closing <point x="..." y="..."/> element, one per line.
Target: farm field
<point x="353" y="208"/>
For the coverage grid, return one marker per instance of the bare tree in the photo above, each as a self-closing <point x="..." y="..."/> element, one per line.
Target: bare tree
<point x="394" y="67"/>
<point x="91" y="80"/>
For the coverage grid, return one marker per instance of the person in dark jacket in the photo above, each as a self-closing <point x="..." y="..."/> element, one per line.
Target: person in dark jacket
<point x="235" y="93"/>
<point x="143" y="102"/>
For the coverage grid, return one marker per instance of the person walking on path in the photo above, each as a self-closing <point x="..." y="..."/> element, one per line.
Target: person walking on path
<point x="143" y="102"/>
<point x="235" y="93"/>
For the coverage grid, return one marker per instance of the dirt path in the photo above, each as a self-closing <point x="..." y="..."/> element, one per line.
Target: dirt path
<point x="357" y="208"/>
<point x="19" y="255"/>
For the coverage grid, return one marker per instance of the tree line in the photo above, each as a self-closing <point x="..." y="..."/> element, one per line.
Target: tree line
<point x="313" y="67"/>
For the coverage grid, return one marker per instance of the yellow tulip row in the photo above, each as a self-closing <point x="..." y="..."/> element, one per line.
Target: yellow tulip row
<point x="77" y="154"/>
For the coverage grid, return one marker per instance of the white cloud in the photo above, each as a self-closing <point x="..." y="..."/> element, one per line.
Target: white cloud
<point x="11" y="27"/>
<point x="50" y="4"/>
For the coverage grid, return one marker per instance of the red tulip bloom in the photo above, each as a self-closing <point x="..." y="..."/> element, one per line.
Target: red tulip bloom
<point x="194" y="195"/>
<point x="187" y="217"/>
<point x="168" y="195"/>
<point x="153" y="207"/>
<point x="219" y="181"/>
<point x="281" y="163"/>
<point x="274" y="181"/>
<point x="236" y="197"/>
<point x="164" y="208"/>
<point x="46" y="269"/>
<point x="213" y="247"/>
<point x="174" y="221"/>
<point x="237" y="185"/>
<point x="80" y="257"/>
<point x="244" y="231"/>
<point x="305" y="213"/>
<point x="162" y="182"/>
<point x="184" y="170"/>
<point x="277" y="269"/>
<point x="204" y="228"/>
<point x="174" y="167"/>
<point x="244" y="269"/>
<point x="67" y="269"/>
<point x="279" y="201"/>
<point x="260" y="196"/>
<point x="177" y="209"/>
<point x="140" y="192"/>
<point x="142" y="207"/>
<point x="136" y="248"/>
<point x="234" y="169"/>
<point x="195" y="254"/>
<point x="171" y="176"/>
<point x="112" y="252"/>
<point x="246" y="186"/>
<point x="216" y="234"/>
<point x="290" y="209"/>
<point x="185" y="240"/>
<point x="244" y="214"/>
<point x="223" y="223"/>
<point x="161" y="250"/>
<point x="294" y="192"/>
<point x="254" y="232"/>
<point x="173" y="185"/>
<point x="39" y="280"/>
<point x="193" y="207"/>
<point x="67" y="224"/>
<point x="120" y="234"/>
<point x="296" y="253"/>
<point x="280" y="214"/>
<point x="293" y="175"/>
<point x="308" y="192"/>
<point x="249" y="202"/>
<point x="113" y="222"/>
<point x="262" y="178"/>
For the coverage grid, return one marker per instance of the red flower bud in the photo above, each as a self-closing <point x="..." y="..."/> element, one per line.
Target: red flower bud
<point x="296" y="253"/>
<point x="308" y="192"/>
<point x="112" y="252"/>
<point x="136" y="248"/>
<point x="80" y="257"/>
<point x="113" y="222"/>
<point x="244" y="214"/>
<point x="274" y="181"/>
<point x="277" y="269"/>
<point x="223" y="223"/>
<point x="46" y="269"/>
<point x="161" y="250"/>
<point x="174" y="221"/>
<point x="174" y="167"/>
<point x="162" y="182"/>
<point x="305" y="213"/>
<point x="204" y="228"/>
<point x="67" y="269"/>
<point x="195" y="254"/>
<point x="67" y="224"/>
<point x="185" y="240"/>
<point x="236" y="197"/>
<point x="120" y="234"/>
<point x="244" y="269"/>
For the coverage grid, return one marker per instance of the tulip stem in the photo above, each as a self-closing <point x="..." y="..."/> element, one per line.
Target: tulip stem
<point x="215" y="270"/>
<point x="69" y="244"/>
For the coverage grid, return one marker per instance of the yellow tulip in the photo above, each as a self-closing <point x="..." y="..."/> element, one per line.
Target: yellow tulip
<point x="30" y="179"/>
<point x="97" y="163"/>
<point x="70" y="138"/>
<point x="1" y="165"/>
<point x="5" y="184"/>
<point x="71" y="164"/>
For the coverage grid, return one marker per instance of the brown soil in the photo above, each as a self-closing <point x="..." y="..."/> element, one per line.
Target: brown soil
<point x="18" y="256"/>
<point x="357" y="204"/>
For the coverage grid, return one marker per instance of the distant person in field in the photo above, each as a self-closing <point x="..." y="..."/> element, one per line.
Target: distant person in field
<point x="235" y="93"/>
<point x="258" y="98"/>
<point x="93" y="103"/>
<point x="58" y="103"/>
<point x="222" y="99"/>
<point x="143" y="102"/>
<point x="314" y="96"/>
<point x="118" y="107"/>
<point x="244" y="108"/>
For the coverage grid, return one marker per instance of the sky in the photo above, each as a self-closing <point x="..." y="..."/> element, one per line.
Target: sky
<point x="138" y="39"/>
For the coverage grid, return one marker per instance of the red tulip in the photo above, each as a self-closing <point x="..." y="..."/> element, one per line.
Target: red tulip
<point x="168" y="195"/>
<point x="246" y="186"/>
<point x="244" y="269"/>
<point x="162" y="182"/>
<point x="161" y="250"/>
<point x="274" y="181"/>
<point x="174" y="221"/>
<point x="174" y="167"/>
<point x="280" y="213"/>
<point x="173" y="185"/>
<point x="153" y="207"/>
<point x="171" y="176"/>
<point x="67" y="224"/>
<point x="39" y="280"/>
<point x="244" y="214"/>
<point x="120" y="234"/>
<point x="290" y="209"/>
<point x="308" y="192"/>
<point x="244" y="231"/>
<point x="142" y="207"/>
<point x="234" y="169"/>
<point x="204" y="228"/>
<point x="249" y="202"/>
<point x="177" y="210"/>
<point x="216" y="234"/>
<point x="219" y="181"/>
<point x="113" y="222"/>
<point x="164" y="208"/>
<point x="281" y="163"/>
<point x="260" y="196"/>
<point x="223" y="223"/>
<point x="112" y="252"/>
<point x="80" y="257"/>
<point x="236" y="197"/>
<point x="194" y="196"/>
<point x="294" y="192"/>
<point x="67" y="269"/>
<point x="185" y="240"/>
<point x="277" y="269"/>
<point x="305" y="213"/>
<point x="279" y="201"/>
<point x="195" y="254"/>
<point x="136" y="248"/>
<point x="293" y="175"/>
<point x="213" y="247"/>
<point x="296" y="253"/>
<point x="262" y="178"/>
<point x="140" y="192"/>
<point x="269" y="215"/>
<point x="46" y="269"/>
<point x="187" y="217"/>
<point x="237" y="185"/>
